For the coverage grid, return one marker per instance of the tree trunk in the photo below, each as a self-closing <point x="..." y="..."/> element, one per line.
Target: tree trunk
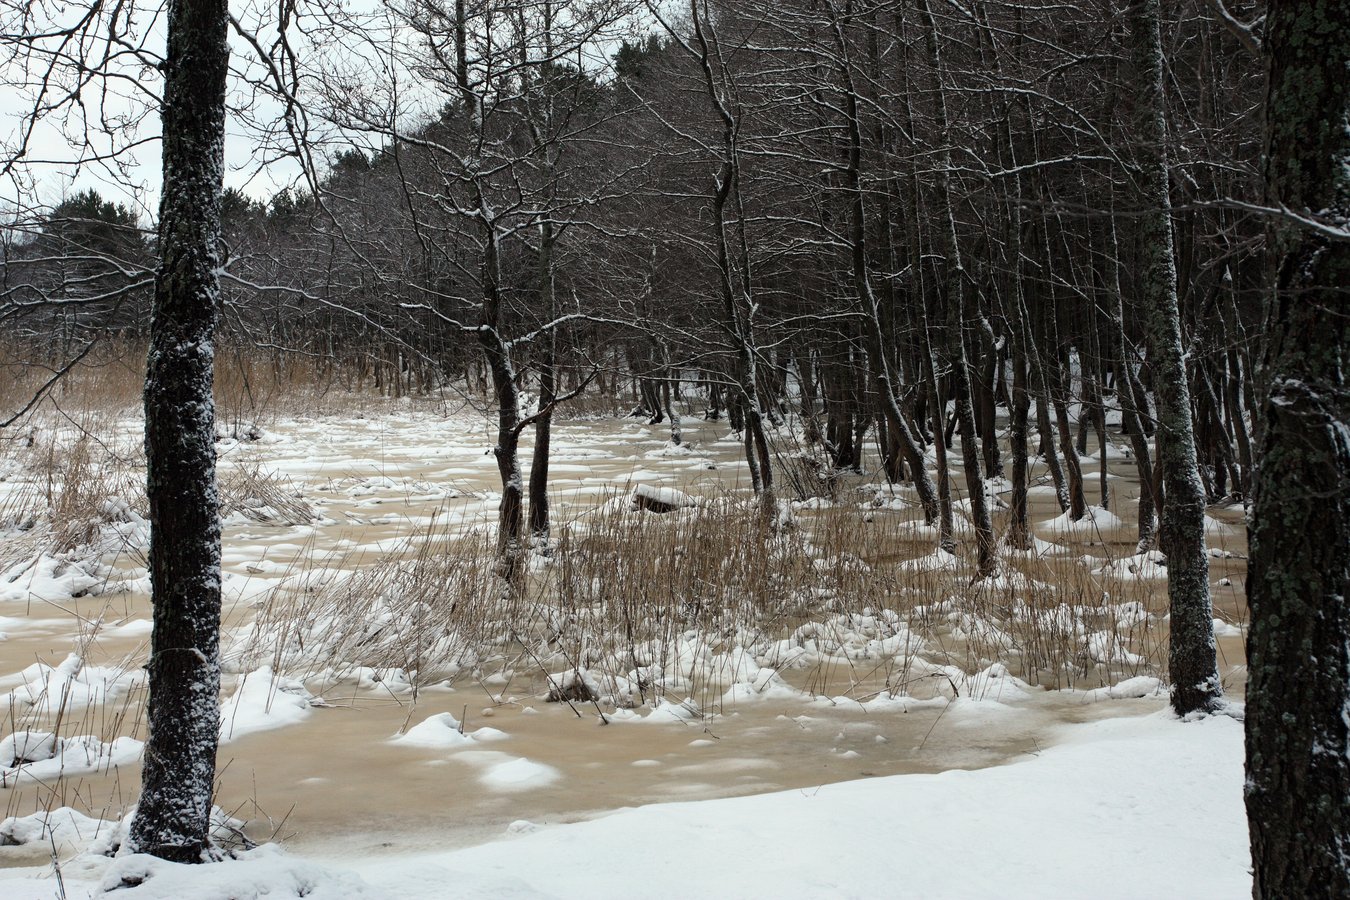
<point x="173" y="817"/>
<point x="548" y="393"/>
<point x="988" y="384"/>
<point x="806" y="384"/>
<point x="735" y="272"/>
<point x="1194" y="671"/>
<point x="1298" y="648"/>
<point x="946" y="523"/>
<point x="1019" y="529"/>
<point x="878" y="359"/>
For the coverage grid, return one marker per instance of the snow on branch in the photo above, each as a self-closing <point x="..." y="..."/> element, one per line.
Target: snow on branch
<point x="1247" y="35"/>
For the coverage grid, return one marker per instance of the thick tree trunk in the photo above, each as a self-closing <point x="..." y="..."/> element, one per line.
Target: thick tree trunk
<point x="1298" y="648"/>
<point x="1194" y="670"/>
<point x="173" y="817"/>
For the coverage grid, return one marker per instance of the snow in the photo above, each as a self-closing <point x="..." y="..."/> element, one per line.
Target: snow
<point x="1119" y="806"/>
<point x="28" y="757"/>
<point x="1139" y="686"/>
<point x="1150" y="565"/>
<point x="519" y="774"/>
<point x="664" y="496"/>
<point x="938" y="561"/>
<point x="60" y="826"/>
<point x="1095" y="519"/>
<point x="262" y="701"/>
<point x="70" y="686"/>
<point x="47" y="577"/>
<point x="442" y="731"/>
<point x="1127" y="807"/>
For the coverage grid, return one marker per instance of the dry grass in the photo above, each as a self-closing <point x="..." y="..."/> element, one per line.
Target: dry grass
<point x="252" y="389"/>
<point x="625" y="594"/>
<point x="643" y="607"/>
<point x="414" y="612"/>
<point x="260" y="495"/>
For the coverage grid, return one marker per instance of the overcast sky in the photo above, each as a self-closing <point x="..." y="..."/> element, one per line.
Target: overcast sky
<point x="368" y="48"/>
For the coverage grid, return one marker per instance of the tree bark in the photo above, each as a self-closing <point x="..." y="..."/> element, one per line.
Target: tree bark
<point x="1298" y="648"/>
<point x="173" y="817"/>
<point x="1194" y="670"/>
<point x="548" y="394"/>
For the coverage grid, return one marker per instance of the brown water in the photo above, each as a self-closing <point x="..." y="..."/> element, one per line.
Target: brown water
<point x="337" y="782"/>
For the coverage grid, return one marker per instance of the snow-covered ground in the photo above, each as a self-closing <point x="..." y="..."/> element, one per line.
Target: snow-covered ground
<point x="1139" y="807"/>
<point x="1127" y="802"/>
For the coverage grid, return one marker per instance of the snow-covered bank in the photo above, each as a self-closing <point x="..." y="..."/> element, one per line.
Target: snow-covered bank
<point x="1119" y="808"/>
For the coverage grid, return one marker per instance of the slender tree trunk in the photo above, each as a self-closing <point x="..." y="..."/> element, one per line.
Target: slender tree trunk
<point x="713" y="412"/>
<point x="806" y="384"/>
<point x="670" y="395"/>
<point x="1073" y="467"/>
<point x="173" y="817"/>
<point x="1194" y="670"/>
<point x="735" y="270"/>
<point x="548" y="394"/>
<point x="1060" y="393"/>
<point x="1233" y="408"/>
<point x="877" y="357"/>
<point x="1147" y="514"/>
<point x="1019" y="528"/>
<point x="1298" y="648"/>
<point x="988" y="383"/>
<point x="946" y="522"/>
<point x="1096" y="408"/>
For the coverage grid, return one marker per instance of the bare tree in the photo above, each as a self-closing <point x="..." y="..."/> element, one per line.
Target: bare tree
<point x="173" y="816"/>
<point x="1194" y="668"/>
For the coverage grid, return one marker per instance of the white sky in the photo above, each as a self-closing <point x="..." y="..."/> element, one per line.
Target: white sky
<point x="362" y="54"/>
<point x="57" y="170"/>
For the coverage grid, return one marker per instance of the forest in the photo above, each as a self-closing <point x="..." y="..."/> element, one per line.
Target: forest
<point x="917" y="392"/>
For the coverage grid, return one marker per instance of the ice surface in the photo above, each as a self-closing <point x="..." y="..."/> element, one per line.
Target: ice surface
<point x="1121" y="808"/>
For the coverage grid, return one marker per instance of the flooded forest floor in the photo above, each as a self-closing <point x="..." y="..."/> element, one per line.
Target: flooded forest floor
<point x="387" y="691"/>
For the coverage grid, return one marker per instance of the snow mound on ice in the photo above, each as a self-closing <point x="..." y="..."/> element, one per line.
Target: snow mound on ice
<point x="263" y="701"/>
<point x="1095" y="519"/>
<point x="519" y="774"/>
<point x="40" y="756"/>
<point x="63" y="826"/>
